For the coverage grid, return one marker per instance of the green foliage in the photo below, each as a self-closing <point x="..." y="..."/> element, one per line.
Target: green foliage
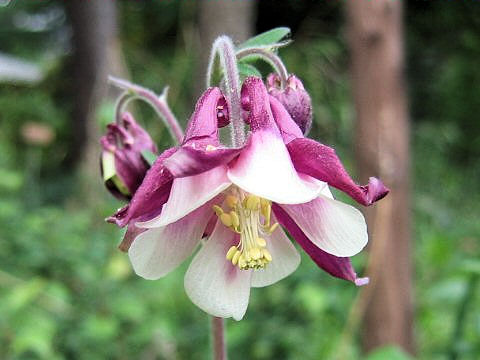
<point x="66" y="292"/>
<point x="269" y="38"/>
<point x="388" y="353"/>
<point x="246" y="70"/>
<point x="149" y="156"/>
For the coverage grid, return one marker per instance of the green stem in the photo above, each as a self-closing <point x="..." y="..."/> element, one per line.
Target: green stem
<point x="228" y="60"/>
<point x="461" y="314"/>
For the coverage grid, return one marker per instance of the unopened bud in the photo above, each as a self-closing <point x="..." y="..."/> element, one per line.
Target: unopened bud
<point x="294" y="98"/>
<point x="122" y="164"/>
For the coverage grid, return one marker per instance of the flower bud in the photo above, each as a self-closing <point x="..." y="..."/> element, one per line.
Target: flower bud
<point x="122" y="164"/>
<point x="294" y="98"/>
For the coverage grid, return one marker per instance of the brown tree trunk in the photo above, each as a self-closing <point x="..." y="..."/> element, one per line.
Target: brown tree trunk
<point x="382" y="146"/>
<point x="96" y="55"/>
<point x="233" y="18"/>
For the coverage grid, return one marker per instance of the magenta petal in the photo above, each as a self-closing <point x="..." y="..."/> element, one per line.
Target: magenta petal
<point x="288" y="128"/>
<point x="142" y="139"/>
<point x="202" y="129"/>
<point x="339" y="267"/>
<point x="321" y="162"/>
<point x="260" y="116"/>
<point x="131" y="167"/>
<point x="201" y="149"/>
<point x="188" y="160"/>
<point x="150" y="196"/>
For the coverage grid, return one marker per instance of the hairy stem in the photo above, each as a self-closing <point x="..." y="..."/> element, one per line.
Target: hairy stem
<point x="270" y="58"/>
<point x="159" y="103"/>
<point x="228" y="60"/>
<point x="218" y="339"/>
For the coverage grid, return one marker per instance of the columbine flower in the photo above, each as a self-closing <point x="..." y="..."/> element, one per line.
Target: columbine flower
<point x="122" y="164"/>
<point x="243" y="194"/>
<point x="294" y="98"/>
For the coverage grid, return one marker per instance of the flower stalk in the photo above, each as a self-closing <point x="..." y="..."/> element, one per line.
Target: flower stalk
<point x="218" y="335"/>
<point x="159" y="103"/>
<point x="270" y="58"/>
<point x="228" y="60"/>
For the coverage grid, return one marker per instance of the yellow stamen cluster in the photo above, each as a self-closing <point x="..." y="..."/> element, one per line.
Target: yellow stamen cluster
<point x="244" y="217"/>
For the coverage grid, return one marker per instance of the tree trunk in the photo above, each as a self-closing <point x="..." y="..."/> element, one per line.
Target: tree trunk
<point x="382" y="148"/>
<point x="233" y="18"/>
<point x="96" y="55"/>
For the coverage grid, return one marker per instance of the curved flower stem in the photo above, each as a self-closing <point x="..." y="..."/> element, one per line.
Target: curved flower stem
<point x="269" y="57"/>
<point x="122" y="102"/>
<point x="224" y="47"/>
<point x="218" y="337"/>
<point x="159" y="103"/>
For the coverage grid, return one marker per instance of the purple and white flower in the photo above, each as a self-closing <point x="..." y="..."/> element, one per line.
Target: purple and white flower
<point x="238" y="197"/>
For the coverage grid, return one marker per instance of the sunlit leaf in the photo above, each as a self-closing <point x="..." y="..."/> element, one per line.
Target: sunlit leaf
<point x="246" y="70"/>
<point x="388" y="353"/>
<point x="267" y="38"/>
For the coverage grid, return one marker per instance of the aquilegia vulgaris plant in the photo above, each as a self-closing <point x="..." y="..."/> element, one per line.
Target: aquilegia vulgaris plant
<point x="241" y="198"/>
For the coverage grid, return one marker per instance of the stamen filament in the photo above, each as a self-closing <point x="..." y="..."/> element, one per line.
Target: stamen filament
<point x="250" y="217"/>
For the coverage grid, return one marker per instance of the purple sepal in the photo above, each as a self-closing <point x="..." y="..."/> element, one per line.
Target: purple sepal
<point x="288" y="128"/>
<point x="149" y="198"/>
<point x="202" y="128"/>
<point x="256" y="101"/>
<point x="294" y="98"/>
<point x="126" y="142"/>
<point x="339" y="267"/>
<point x="321" y="162"/>
<point x="189" y="161"/>
<point x="201" y="149"/>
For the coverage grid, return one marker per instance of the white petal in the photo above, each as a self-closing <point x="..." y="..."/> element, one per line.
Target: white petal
<point x="156" y="252"/>
<point x="213" y="283"/>
<point x="189" y="193"/>
<point x="327" y="192"/>
<point x="285" y="260"/>
<point x="264" y="168"/>
<point x="335" y="227"/>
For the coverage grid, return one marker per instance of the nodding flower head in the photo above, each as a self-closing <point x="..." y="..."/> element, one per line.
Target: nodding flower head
<point x="122" y="164"/>
<point x="294" y="98"/>
<point x="244" y="200"/>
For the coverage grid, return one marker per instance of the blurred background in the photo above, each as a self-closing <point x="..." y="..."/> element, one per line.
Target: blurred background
<point x="396" y="91"/>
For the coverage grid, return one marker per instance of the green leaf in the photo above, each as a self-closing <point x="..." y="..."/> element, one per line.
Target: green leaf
<point x="246" y="70"/>
<point x="471" y="266"/>
<point x="10" y="180"/>
<point x="388" y="353"/>
<point x="149" y="156"/>
<point x="267" y="38"/>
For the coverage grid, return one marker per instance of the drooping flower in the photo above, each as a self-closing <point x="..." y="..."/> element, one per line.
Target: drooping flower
<point x="294" y="98"/>
<point x="242" y="194"/>
<point x="123" y="166"/>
